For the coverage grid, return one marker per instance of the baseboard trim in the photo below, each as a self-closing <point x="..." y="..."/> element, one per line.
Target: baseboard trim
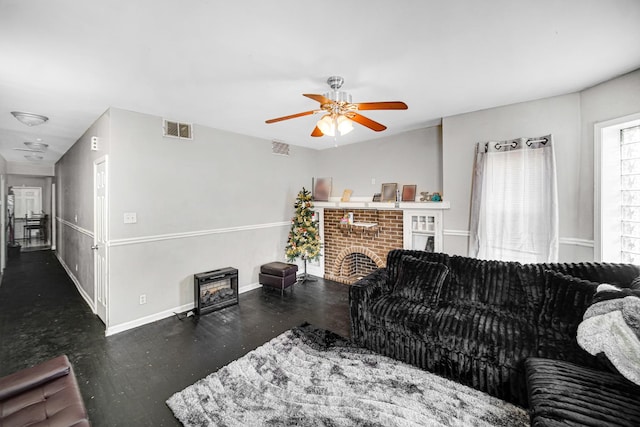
<point x="111" y="330"/>
<point x="76" y="282"/>
<point x="249" y="287"/>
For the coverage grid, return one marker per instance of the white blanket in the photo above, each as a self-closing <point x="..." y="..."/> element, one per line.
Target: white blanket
<point x="612" y="327"/>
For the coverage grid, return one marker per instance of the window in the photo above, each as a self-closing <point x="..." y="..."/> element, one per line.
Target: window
<point x="28" y="200"/>
<point x="617" y="195"/>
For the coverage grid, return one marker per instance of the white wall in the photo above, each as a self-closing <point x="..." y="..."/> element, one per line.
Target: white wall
<point x="219" y="200"/>
<point x="409" y="158"/>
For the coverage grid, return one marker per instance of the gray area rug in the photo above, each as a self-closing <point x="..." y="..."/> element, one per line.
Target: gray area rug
<point x="311" y="377"/>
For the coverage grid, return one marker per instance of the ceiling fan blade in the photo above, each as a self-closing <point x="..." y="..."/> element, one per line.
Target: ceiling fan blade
<point x="293" y="116"/>
<point x="320" y="98"/>
<point x="317" y="132"/>
<point x="359" y="118"/>
<point x="393" y="105"/>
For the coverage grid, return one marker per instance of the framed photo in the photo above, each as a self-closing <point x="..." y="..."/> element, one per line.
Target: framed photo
<point x="321" y="189"/>
<point x="346" y="195"/>
<point x="389" y="192"/>
<point x="377" y="197"/>
<point x="408" y="193"/>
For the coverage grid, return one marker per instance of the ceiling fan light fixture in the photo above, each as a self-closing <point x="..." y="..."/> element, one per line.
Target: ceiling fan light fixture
<point x="39" y="146"/>
<point x="29" y="119"/>
<point x="344" y="125"/>
<point x="327" y="125"/>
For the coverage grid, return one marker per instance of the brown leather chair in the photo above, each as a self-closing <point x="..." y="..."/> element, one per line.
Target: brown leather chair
<point x="43" y="395"/>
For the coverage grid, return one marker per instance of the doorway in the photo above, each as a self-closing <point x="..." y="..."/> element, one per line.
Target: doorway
<point x="29" y="215"/>
<point x="100" y="238"/>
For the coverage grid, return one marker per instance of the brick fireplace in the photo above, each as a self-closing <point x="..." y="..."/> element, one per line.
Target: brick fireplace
<point x="352" y="252"/>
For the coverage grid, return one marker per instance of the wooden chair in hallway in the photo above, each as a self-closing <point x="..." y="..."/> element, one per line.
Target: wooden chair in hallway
<point x="38" y="223"/>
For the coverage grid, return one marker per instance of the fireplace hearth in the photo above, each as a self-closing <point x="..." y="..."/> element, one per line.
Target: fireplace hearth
<point x="215" y="289"/>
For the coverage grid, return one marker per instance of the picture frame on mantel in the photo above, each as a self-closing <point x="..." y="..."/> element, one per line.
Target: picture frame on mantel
<point x="409" y="193"/>
<point x="321" y="189"/>
<point x="389" y="191"/>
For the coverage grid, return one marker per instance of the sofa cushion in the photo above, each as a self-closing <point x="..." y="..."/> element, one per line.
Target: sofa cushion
<point x="485" y="283"/>
<point x="419" y="280"/>
<point x="564" y="302"/>
<point x="402" y="316"/>
<point x="493" y="335"/>
<point x="533" y="279"/>
<point x="394" y="260"/>
<point x="562" y="393"/>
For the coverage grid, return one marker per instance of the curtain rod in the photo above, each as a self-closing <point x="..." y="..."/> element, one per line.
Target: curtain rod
<point x="514" y="144"/>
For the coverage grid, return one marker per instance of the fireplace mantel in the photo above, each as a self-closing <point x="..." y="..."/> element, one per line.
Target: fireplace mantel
<point x="361" y="204"/>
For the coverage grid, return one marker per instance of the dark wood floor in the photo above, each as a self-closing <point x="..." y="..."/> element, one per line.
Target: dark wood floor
<point x="126" y="378"/>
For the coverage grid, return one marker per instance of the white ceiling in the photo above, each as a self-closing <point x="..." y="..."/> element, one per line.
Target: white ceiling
<point x="232" y="65"/>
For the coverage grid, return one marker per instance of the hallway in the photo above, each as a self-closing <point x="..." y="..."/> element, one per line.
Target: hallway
<point x="126" y="378"/>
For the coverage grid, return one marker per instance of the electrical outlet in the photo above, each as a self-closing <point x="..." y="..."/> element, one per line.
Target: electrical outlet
<point x="143" y="299"/>
<point x="76" y="267"/>
<point x="130" y="218"/>
<point x="373" y="181"/>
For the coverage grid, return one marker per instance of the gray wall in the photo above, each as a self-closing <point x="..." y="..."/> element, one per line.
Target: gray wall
<point x="616" y="98"/>
<point x="559" y="116"/>
<point x="570" y="118"/>
<point x="224" y="200"/>
<point x="74" y="199"/>
<point x="409" y="158"/>
<point x="219" y="200"/>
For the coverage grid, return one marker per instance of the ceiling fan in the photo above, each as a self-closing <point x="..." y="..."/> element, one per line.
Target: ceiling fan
<point x="340" y="112"/>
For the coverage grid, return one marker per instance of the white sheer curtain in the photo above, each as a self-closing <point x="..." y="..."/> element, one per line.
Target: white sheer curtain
<point x="514" y="202"/>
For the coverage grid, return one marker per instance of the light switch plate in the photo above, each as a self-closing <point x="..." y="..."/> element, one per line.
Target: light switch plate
<point x="130" y="218"/>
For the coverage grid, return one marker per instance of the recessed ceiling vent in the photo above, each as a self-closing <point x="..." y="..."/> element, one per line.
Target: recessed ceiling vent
<point x="177" y="130"/>
<point x="279" y="148"/>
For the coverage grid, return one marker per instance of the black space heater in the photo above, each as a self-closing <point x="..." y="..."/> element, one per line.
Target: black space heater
<point x="215" y="289"/>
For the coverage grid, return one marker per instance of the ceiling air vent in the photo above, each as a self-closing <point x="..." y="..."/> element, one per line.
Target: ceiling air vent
<point x="279" y="148"/>
<point x="177" y="130"/>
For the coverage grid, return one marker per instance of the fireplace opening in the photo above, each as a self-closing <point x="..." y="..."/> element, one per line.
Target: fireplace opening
<point x="355" y="266"/>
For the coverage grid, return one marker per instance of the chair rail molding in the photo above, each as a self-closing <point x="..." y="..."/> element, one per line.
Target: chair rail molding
<point x="572" y="241"/>
<point x="195" y="233"/>
<point x="75" y="227"/>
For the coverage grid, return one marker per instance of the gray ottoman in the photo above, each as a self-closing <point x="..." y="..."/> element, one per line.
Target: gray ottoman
<point x="279" y="275"/>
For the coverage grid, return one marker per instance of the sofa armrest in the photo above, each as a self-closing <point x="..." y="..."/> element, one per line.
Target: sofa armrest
<point x="361" y="295"/>
<point x="35" y="376"/>
<point x="369" y="288"/>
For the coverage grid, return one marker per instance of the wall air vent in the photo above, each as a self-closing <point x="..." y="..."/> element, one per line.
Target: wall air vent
<point x="177" y="130"/>
<point x="279" y="148"/>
